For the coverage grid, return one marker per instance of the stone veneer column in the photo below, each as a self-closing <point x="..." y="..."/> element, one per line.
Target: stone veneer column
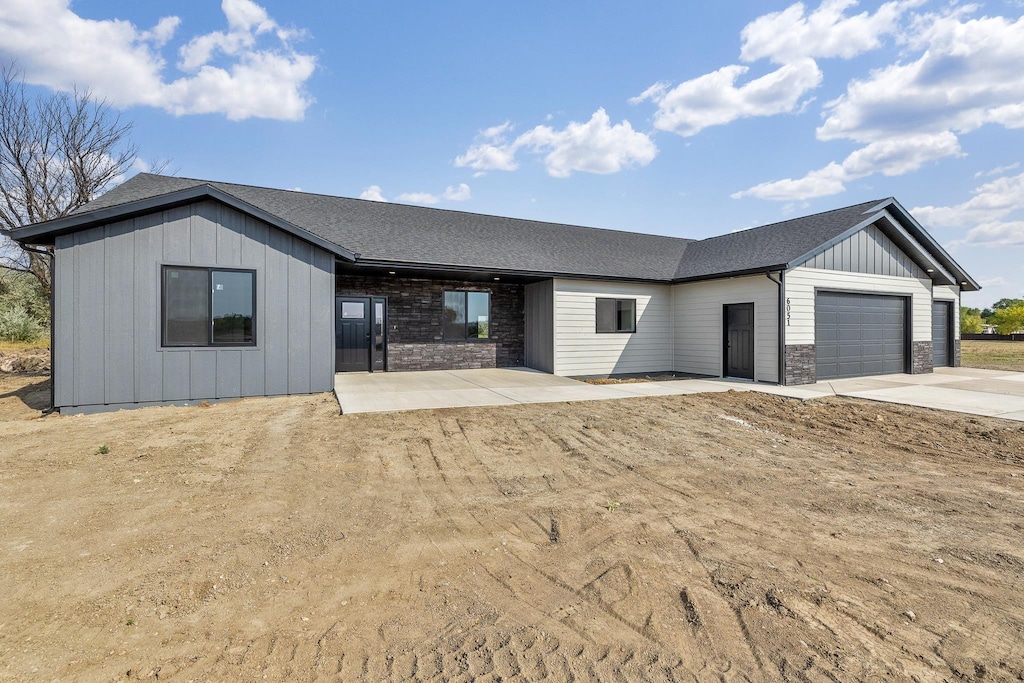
<point x="922" y="358"/>
<point x="800" y="364"/>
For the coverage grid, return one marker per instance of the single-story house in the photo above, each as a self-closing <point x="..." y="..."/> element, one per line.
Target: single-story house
<point x="172" y="290"/>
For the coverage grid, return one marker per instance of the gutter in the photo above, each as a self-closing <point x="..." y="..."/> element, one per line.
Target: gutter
<point x="782" y="324"/>
<point x="53" y="320"/>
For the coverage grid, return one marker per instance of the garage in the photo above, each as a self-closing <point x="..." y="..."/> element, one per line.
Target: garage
<point x="859" y="334"/>
<point x="942" y="316"/>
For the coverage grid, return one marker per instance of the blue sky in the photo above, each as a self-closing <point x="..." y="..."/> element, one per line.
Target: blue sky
<point x="689" y="119"/>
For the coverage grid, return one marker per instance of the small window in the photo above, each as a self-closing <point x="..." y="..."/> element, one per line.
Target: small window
<point x="353" y="310"/>
<point x="616" y="315"/>
<point x="467" y="315"/>
<point x="208" y="307"/>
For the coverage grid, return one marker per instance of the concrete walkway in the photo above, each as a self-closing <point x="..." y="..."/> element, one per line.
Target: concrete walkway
<point x="967" y="390"/>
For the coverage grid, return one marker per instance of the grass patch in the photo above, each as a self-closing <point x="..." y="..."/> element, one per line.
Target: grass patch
<point x="994" y="355"/>
<point x="10" y="347"/>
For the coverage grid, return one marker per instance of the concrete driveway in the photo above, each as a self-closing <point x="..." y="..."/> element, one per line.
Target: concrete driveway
<point x="991" y="393"/>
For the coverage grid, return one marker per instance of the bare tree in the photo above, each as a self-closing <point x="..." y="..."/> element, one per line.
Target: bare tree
<point x="57" y="152"/>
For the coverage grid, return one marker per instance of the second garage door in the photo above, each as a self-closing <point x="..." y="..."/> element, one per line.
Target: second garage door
<point x="858" y="334"/>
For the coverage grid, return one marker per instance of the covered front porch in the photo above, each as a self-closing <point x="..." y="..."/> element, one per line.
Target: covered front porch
<point x="395" y="320"/>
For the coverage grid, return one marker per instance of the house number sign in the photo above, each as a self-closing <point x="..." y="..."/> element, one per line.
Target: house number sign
<point x="789" y="312"/>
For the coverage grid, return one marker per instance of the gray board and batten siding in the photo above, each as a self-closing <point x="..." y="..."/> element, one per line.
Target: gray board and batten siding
<point x="107" y="297"/>
<point x="539" y="321"/>
<point x="867" y="251"/>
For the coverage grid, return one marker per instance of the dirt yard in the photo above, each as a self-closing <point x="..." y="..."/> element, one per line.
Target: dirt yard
<point x="723" y="537"/>
<point x="994" y="355"/>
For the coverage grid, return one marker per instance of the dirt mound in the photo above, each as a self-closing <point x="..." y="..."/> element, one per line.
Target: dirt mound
<point x="27" y="360"/>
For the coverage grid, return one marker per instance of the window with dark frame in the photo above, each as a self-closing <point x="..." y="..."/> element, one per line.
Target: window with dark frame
<point x="616" y="315"/>
<point x="208" y="307"/>
<point x="467" y="315"/>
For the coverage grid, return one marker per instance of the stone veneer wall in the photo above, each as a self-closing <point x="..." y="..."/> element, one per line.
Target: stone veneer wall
<point x="956" y="353"/>
<point x="415" y="306"/>
<point x="800" y="364"/>
<point x="922" y="360"/>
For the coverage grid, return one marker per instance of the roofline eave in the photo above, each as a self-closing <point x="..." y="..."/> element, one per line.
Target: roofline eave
<point x="963" y="275"/>
<point x="759" y="270"/>
<point x="412" y="265"/>
<point x="75" y="222"/>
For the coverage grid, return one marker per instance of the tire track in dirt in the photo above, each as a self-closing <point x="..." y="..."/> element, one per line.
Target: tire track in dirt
<point x="600" y="446"/>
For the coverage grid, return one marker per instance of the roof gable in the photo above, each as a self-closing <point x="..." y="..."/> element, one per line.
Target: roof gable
<point x="882" y="247"/>
<point x="869" y="250"/>
<point x="769" y="247"/>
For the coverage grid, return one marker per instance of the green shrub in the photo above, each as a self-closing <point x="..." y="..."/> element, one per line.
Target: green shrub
<point x="18" y="325"/>
<point x="22" y="290"/>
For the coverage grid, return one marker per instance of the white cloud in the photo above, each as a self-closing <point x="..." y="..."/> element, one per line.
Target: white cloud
<point x="820" y="183"/>
<point x="246" y="21"/>
<point x="792" y="38"/>
<point x="888" y="157"/>
<point x="373" y="193"/>
<point x="986" y="213"/>
<point x="457" y="194"/>
<point x="162" y="32"/>
<point x="490" y="151"/>
<point x="417" y="198"/>
<point x="996" y="234"/>
<point x="968" y="75"/>
<point x="117" y="61"/>
<point x="596" y="146"/>
<point x="998" y="170"/>
<point x="452" y="193"/>
<point x="991" y="202"/>
<point x="792" y="34"/>
<point x="654" y="93"/>
<point x="714" y="99"/>
<point x="994" y="282"/>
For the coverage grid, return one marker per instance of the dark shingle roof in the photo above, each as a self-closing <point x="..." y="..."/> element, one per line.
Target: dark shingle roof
<point x="398" y="233"/>
<point x="777" y="244"/>
<point x="380" y="232"/>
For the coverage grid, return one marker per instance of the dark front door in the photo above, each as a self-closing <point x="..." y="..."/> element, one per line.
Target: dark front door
<point x="739" y="340"/>
<point x="352" y="334"/>
<point x="942" y="315"/>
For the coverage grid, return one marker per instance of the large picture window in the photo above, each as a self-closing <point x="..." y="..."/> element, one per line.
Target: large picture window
<point x="616" y="315"/>
<point x="467" y="315"/>
<point x="208" y="307"/>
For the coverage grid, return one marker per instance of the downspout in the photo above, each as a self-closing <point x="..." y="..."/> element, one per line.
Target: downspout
<point x="782" y="324"/>
<point x="53" y="319"/>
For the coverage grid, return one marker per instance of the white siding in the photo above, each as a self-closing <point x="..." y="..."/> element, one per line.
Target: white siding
<point x="698" y="335"/>
<point x="580" y="350"/>
<point x="950" y="293"/>
<point x="801" y="282"/>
